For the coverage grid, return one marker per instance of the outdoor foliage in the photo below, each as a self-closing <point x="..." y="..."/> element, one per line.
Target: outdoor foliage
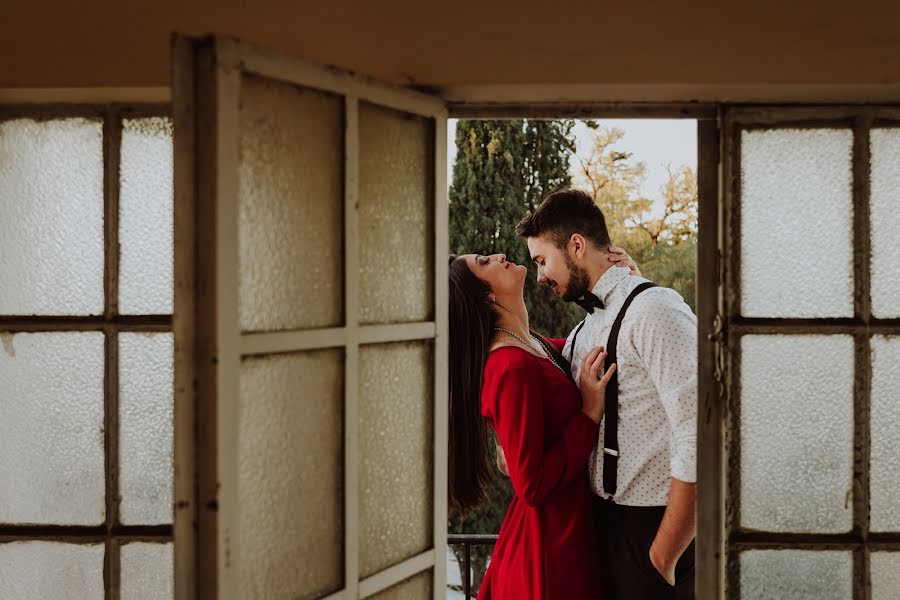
<point x="664" y="246"/>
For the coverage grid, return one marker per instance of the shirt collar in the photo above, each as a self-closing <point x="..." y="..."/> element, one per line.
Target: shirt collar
<point x="609" y="281"/>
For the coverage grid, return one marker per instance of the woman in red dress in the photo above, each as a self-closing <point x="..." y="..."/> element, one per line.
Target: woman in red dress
<point x="503" y="376"/>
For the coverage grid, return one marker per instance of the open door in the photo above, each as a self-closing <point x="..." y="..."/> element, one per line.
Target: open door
<point x="311" y="330"/>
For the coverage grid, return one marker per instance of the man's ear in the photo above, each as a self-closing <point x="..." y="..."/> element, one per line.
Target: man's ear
<point x="578" y="244"/>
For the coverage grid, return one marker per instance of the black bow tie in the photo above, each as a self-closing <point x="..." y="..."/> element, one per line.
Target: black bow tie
<point x="589" y="302"/>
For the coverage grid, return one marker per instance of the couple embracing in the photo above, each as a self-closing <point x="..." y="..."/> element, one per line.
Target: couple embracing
<point x="597" y="431"/>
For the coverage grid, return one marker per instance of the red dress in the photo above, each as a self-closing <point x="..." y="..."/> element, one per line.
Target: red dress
<point x="546" y="548"/>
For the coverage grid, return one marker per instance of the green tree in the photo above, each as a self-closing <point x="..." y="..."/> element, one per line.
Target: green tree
<point x="503" y="169"/>
<point x="667" y="264"/>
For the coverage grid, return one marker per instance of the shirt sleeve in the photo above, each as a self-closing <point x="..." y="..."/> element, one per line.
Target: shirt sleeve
<point x="513" y="399"/>
<point x="665" y="337"/>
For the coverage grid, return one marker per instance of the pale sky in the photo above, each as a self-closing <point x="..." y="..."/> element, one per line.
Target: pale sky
<point x="656" y="142"/>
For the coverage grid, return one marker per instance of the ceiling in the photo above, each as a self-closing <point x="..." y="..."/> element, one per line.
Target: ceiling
<point x="464" y="44"/>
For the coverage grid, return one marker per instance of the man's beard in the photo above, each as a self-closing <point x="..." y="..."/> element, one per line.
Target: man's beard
<point x="578" y="281"/>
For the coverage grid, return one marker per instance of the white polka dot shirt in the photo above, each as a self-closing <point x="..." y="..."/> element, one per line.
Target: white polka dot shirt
<point x="657" y="371"/>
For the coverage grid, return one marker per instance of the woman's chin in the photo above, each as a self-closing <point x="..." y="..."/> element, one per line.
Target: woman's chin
<point x="522" y="272"/>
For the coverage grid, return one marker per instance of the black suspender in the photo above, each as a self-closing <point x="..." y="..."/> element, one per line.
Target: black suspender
<point x="611" y="423"/>
<point x="575" y="339"/>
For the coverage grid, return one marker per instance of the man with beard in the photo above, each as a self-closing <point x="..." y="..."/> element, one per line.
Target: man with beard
<point x="643" y="468"/>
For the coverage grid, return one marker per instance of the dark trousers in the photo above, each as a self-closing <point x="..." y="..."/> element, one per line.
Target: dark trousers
<point x="625" y="534"/>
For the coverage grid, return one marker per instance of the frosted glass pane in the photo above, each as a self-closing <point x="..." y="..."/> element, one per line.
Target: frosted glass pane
<point x="396" y="225"/>
<point x="796" y="433"/>
<point x="291" y="444"/>
<point x="51" y="217"/>
<point x="145" y="425"/>
<point x="885" y="222"/>
<point x="885" y="434"/>
<point x="396" y="454"/>
<point x="796" y="215"/>
<point x="796" y="574"/>
<point x="52" y="571"/>
<point x="51" y="428"/>
<point x="146" y="217"/>
<point x="147" y="572"/>
<point x="885" y="568"/>
<point x="291" y="207"/>
<point x="417" y="587"/>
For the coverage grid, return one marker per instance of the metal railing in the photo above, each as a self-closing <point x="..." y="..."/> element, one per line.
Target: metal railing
<point x="467" y="540"/>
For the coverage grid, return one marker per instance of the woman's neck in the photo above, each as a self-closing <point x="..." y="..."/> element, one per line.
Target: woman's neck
<point x="514" y="318"/>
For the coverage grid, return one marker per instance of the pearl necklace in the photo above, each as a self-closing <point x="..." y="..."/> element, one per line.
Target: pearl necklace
<point x="538" y="346"/>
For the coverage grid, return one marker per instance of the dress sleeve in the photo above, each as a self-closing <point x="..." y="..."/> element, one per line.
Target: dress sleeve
<point x="558" y="343"/>
<point x="512" y="398"/>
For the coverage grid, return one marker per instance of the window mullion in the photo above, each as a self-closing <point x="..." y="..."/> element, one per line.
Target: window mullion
<point x="112" y="138"/>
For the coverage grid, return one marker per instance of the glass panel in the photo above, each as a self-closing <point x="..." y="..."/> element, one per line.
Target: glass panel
<point x="885" y="575"/>
<point x="885" y="221"/>
<point x="145" y="424"/>
<point x="147" y="572"/>
<point x="51" y="216"/>
<point x="146" y="216"/>
<point x="51" y="570"/>
<point x="291" y="207"/>
<point x="796" y="209"/>
<point x="396" y="453"/>
<point x="796" y="433"/>
<point x="796" y="574"/>
<point x="885" y="432"/>
<point x="417" y="587"/>
<point x="51" y="428"/>
<point x="291" y="444"/>
<point x="396" y="208"/>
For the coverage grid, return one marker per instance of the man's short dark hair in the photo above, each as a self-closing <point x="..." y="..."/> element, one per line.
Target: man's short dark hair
<point x="564" y="213"/>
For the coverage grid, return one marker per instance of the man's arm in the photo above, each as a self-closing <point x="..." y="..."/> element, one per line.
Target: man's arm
<point x="677" y="529"/>
<point x="666" y="340"/>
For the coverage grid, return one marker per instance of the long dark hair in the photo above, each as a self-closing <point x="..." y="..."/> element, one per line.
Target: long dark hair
<point x="472" y="320"/>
